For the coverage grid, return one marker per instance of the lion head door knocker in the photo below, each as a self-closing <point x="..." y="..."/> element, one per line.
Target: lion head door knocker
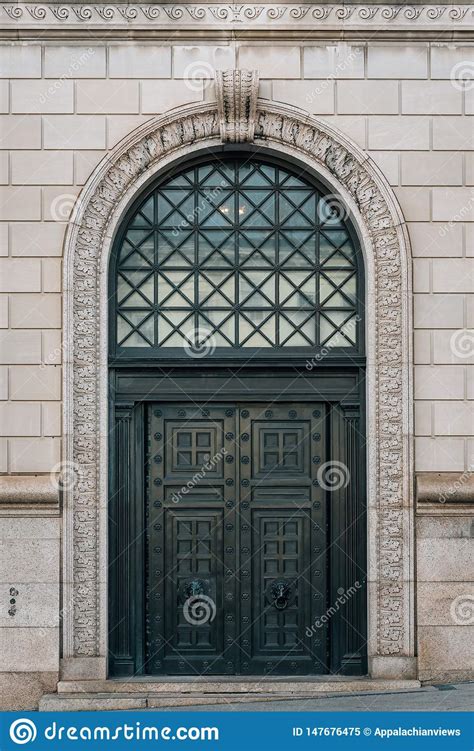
<point x="281" y="593"/>
<point x="193" y="588"/>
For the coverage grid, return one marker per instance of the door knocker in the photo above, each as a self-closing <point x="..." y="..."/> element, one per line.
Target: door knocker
<point x="280" y="593"/>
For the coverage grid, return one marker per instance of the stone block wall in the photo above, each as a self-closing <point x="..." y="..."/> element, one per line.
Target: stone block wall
<point x="65" y="103"/>
<point x="445" y="597"/>
<point x="30" y="615"/>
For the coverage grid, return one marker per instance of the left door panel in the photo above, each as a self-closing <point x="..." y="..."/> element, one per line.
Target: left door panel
<point x="191" y="541"/>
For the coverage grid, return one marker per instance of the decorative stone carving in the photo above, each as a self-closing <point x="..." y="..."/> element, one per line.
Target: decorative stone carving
<point x="371" y="15"/>
<point x="237" y="92"/>
<point x="95" y="220"/>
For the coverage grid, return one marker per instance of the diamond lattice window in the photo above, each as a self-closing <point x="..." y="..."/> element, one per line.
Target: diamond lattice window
<point x="241" y="254"/>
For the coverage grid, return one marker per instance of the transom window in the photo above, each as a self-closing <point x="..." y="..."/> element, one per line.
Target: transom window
<point x="236" y="253"/>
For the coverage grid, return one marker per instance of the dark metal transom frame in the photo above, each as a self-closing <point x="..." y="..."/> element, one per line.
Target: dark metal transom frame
<point x="131" y="390"/>
<point x="229" y="353"/>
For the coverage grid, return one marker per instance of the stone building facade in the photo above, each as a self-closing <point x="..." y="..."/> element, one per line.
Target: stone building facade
<point x="375" y="101"/>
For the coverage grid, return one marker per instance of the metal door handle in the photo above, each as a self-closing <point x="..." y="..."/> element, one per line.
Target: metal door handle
<point x="193" y="588"/>
<point x="280" y="593"/>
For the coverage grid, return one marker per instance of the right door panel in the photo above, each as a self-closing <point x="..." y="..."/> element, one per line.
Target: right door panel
<point x="283" y="550"/>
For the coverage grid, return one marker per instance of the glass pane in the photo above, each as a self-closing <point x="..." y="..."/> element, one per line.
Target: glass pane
<point x="137" y="259"/>
<point x="123" y="329"/>
<point x="337" y="238"/>
<point x="182" y="180"/>
<point x="257" y="289"/>
<point x="135" y="340"/>
<point x="222" y="326"/>
<point x="338" y="259"/>
<point x="257" y="328"/>
<point x="254" y="174"/>
<point x="296" y="327"/>
<point x="221" y="175"/>
<point x="218" y="285"/>
<point x="290" y="181"/>
<point x="256" y="209"/>
<point x="136" y="300"/>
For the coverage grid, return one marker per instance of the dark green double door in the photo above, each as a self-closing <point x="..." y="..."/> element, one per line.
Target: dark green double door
<point x="236" y="539"/>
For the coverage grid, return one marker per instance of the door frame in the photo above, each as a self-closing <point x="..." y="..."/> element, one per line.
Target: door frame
<point x="381" y="227"/>
<point x="132" y="389"/>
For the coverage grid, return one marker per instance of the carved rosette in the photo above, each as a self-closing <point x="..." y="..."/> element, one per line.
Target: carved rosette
<point x="236" y="92"/>
<point x="233" y="122"/>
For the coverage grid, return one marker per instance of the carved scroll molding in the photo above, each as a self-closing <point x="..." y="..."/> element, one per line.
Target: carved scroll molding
<point x="108" y="193"/>
<point x="237" y="92"/>
<point x="294" y="16"/>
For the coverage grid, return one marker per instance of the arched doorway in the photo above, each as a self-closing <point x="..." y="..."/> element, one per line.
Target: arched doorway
<point x="103" y="203"/>
<point x="237" y="371"/>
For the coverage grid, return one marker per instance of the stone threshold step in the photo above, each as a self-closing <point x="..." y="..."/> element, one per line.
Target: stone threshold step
<point x="87" y="701"/>
<point x="203" y="686"/>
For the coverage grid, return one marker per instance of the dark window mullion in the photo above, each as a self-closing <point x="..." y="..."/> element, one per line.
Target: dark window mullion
<point x="277" y="259"/>
<point x="196" y="248"/>
<point x="155" y="263"/>
<point x="236" y="256"/>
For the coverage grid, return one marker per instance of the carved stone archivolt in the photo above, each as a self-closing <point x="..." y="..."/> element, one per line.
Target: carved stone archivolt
<point x="237" y="92"/>
<point x="89" y="237"/>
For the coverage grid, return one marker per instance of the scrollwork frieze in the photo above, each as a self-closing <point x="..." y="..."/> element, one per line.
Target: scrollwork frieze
<point x="234" y="15"/>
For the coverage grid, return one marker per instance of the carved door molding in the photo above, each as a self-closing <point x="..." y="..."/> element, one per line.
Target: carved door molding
<point x="375" y="212"/>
